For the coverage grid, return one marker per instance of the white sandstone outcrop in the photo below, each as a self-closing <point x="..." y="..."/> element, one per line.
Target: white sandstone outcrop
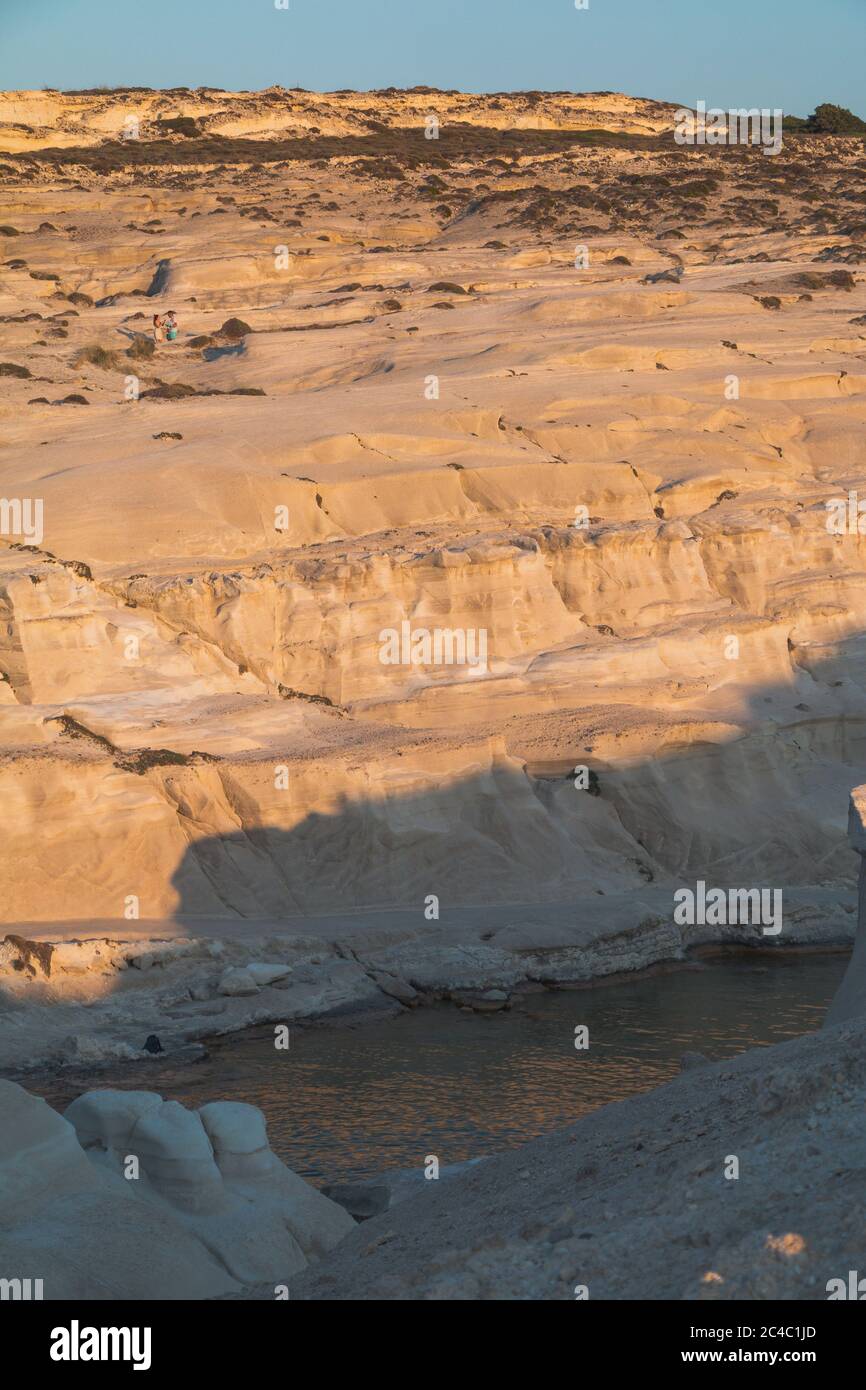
<point x="238" y="982"/>
<point x="850" y="999"/>
<point x="248" y="979"/>
<point x="589" y="498"/>
<point x="130" y="1196"/>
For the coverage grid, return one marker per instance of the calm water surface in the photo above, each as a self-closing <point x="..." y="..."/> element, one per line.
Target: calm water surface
<point x="351" y="1102"/>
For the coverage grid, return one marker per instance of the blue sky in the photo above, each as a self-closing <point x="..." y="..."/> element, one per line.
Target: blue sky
<point x="787" y="53"/>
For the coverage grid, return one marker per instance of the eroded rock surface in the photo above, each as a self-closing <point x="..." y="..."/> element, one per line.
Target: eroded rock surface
<point x="616" y="465"/>
<point x="130" y="1196"/>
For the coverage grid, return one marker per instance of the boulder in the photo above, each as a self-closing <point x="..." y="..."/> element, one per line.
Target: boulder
<point x="238" y="1137"/>
<point x="80" y="1228"/>
<point x="368" y="1199"/>
<point x="398" y="989"/>
<point x="40" y="1156"/>
<point x="174" y="1151"/>
<point x="208" y="1210"/>
<point x="238" y="980"/>
<point x="265" y="973"/>
<point x="106" y="1119"/>
<point x="361" y="1199"/>
<point x="252" y="1172"/>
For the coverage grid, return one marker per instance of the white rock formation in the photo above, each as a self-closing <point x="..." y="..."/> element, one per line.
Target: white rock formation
<point x="238" y="982"/>
<point x="248" y="979"/>
<point x="850" y="998"/>
<point x="130" y="1196"/>
<point x="266" y="972"/>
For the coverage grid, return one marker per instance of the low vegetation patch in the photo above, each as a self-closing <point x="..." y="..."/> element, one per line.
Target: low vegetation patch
<point x="141" y="348"/>
<point x="234" y="329"/>
<point x="104" y="358"/>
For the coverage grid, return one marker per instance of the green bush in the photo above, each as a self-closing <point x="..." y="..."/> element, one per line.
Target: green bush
<point x="835" y="120"/>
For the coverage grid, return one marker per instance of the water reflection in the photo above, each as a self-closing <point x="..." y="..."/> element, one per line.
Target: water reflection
<point x="349" y="1103"/>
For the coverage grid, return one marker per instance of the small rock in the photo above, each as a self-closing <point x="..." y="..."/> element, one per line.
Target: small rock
<point x="395" y="987"/>
<point x="359" y="1199"/>
<point x="264" y="973"/>
<point x="152" y="1044"/>
<point x="690" y="1060"/>
<point x="143" y="961"/>
<point x="674" y="274"/>
<point x="238" y="981"/>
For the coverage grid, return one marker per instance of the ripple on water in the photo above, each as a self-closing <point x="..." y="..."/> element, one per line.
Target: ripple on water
<point x="348" y="1103"/>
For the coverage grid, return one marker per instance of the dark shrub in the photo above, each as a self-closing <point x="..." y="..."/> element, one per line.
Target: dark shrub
<point x="98" y="357"/>
<point x="828" y="119"/>
<point x="141" y="348"/>
<point x="180" y="125"/>
<point x="169" y="391"/>
<point x="235" y="328"/>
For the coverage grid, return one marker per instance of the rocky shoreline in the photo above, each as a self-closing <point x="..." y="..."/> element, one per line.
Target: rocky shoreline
<point x="740" y="1179"/>
<point x="86" y="999"/>
<point x="686" y="1174"/>
<point x="675" y="1193"/>
<point x="640" y="1200"/>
